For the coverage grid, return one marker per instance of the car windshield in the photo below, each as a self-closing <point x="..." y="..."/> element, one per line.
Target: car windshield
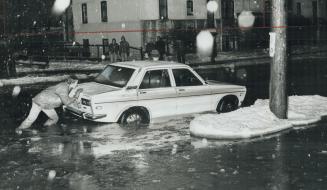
<point x="115" y="76"/>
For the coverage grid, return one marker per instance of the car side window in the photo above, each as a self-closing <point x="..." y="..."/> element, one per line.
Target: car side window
<point x="156" y="79"/>
<point x="184" y="77"/>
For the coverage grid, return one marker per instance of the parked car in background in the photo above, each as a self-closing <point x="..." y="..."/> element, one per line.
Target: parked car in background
<point x="138" y="91"/>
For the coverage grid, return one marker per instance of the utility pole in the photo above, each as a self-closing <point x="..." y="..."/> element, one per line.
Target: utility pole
<point x="318" y="20"/>
<point x="278" y="69"/>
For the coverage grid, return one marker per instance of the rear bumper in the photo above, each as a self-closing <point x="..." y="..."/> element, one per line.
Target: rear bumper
<point x="83" y="115"/>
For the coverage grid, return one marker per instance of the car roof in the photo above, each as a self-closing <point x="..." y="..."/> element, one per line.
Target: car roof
<point x="150" y="64"/>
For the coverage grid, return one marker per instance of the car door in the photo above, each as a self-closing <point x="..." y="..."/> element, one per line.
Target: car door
<point x="193" y="94"/>
<point x="157" y="94"/>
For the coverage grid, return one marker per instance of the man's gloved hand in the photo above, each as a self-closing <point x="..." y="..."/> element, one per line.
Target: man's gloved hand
<point x="78" y="93"/>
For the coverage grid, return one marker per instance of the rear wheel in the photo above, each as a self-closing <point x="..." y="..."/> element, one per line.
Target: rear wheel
<point x="227" y="105"/>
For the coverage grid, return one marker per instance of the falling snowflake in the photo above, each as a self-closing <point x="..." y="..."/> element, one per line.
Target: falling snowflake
<point x="212" y="6"/>
<point x="204" y="43"/>
<point x="60" y="6"/>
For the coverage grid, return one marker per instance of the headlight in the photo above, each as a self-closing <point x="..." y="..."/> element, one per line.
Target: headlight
<point x="86" y="102"/>
<point x="99" y="107"/>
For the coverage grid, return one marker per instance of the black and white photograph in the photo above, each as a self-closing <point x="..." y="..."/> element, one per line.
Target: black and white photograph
<point x="163" y="94"/>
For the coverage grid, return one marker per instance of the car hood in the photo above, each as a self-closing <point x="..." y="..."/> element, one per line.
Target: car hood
<point x="94" y="88"/>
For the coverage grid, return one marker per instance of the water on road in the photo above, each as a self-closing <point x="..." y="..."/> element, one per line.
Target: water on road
<point x="77" y="154"/>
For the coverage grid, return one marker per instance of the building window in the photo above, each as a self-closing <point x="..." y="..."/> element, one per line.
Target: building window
<point x="267" y="15"/>
<point x="210" y="18"/>
<point x="227" y="9"/>
<point x="84" y="13"/>
<point x="290" y="5"/>
<point x="163" y="9"/>
<point x="189" y="7"/>
<point x="298" y="9"/>
<point x="104" y="15"/>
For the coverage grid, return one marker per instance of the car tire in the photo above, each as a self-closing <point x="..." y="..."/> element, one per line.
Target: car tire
<point x="227" y="105"/>
<point x="134" y="117"/>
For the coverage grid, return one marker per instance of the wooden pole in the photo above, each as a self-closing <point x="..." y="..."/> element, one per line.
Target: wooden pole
<point x="318" y="24"/>
<point x="278" y="80"/>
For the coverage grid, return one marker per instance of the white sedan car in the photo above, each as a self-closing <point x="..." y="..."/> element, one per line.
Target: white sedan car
<point x="138" y="91"/>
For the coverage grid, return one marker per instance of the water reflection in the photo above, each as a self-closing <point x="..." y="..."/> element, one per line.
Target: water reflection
<point x="78" y="181"/>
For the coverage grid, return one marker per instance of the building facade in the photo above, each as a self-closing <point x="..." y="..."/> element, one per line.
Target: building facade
<point x="142" y="21"/>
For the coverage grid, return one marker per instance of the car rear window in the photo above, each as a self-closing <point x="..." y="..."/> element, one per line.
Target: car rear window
<point x="184" y="77"/>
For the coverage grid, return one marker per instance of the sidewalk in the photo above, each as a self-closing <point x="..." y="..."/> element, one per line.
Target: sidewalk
<point x="59" y="66"/>
<point x="55" y="72"/>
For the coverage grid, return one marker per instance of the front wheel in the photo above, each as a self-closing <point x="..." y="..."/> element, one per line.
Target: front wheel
<point x="227" y="105"/>
<point x="134" y="118"/>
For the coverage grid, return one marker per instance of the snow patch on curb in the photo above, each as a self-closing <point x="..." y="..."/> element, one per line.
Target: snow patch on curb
<point x="257" y="120"/>
<point x="35" y="80"/>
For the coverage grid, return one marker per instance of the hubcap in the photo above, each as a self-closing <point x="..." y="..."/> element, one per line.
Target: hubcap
<point x="133" y="118"/>
<point x="229" y="107"/>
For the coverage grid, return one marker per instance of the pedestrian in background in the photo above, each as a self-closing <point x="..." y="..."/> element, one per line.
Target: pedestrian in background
<point x="180" y="47"/>
<point x="161" y="47"/>
<point x="114" y="50"/>
<point x="47" y="100"/>
<point x="149" y="47"/>
<point x="124" y="49"/>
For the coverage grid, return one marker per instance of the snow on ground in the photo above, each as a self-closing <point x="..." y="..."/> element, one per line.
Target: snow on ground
<point x="257" y="120"/>
<point x="112" y="138"/>
<point x="39" y="79"/>
<point x="23" y="67"/>
<point x="26" y="66"/>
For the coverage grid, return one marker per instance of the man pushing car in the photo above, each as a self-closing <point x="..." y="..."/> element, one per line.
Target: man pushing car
<point x="50" y="98"/>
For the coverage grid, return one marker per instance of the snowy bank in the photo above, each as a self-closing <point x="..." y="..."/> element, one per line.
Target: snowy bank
<point x="37" y="80"/>
<point x="257" y="120"/>
<point x="25" y="66"/>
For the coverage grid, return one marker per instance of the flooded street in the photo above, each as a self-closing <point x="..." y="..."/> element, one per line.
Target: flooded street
<point x="77" y="154"/>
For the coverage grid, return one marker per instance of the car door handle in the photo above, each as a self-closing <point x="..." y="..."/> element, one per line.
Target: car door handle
<point x="142" y="92"/>
<point x="181" y="90"/>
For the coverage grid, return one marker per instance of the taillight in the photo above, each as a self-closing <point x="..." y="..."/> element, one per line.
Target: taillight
<point x="86" y="102"/>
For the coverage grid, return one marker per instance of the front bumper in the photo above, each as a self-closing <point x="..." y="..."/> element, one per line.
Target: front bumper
<point x="84" y="115"/>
